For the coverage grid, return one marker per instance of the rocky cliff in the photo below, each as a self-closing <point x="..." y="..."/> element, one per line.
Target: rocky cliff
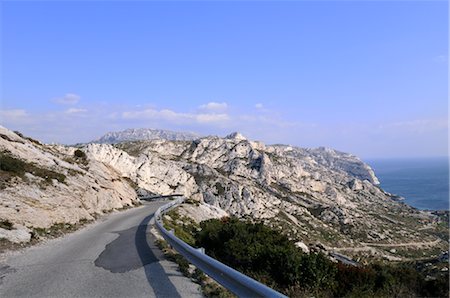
<point x="316" y="196"/>
<point x="313" y="195"/>
<point x="41" y="185"/>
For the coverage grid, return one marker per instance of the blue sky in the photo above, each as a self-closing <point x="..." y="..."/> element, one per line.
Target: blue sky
<point x="366" y="77"/>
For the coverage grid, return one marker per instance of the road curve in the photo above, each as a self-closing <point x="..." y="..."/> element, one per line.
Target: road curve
<point x="114" y="257"/>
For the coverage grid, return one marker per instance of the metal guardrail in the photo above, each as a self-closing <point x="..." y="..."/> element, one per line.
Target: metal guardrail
<point x="236" y="282"/>
<point x="149" y="198"/>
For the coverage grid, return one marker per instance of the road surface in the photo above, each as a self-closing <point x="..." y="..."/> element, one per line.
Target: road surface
<point x="114" y="257"/>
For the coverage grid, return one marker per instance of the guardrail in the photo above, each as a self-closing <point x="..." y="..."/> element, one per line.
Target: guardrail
<point x="236" y="282"/>
<point x="149" y="198"/>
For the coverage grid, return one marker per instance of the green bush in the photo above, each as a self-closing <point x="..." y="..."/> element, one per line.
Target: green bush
<point x="48" y="175"/>
<point x="214" y="290"/>
<point x="271" y="258"/>
<point x="265" y="254"/>
<point x="6" y="224"/>
<point x="79" y="154"/>
<point x="27" y="138"/>
<point x="183" y="227"/>
<point x="11" y="164"/>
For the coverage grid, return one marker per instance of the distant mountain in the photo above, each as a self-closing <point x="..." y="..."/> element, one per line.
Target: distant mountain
<point x="142" y="134"/>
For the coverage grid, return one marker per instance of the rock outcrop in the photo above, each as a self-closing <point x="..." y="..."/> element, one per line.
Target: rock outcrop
<point x="313" y="195"/>
<point x="42" y="185"/>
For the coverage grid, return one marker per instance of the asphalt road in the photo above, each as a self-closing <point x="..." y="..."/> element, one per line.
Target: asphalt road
<point x="114" y="257"/>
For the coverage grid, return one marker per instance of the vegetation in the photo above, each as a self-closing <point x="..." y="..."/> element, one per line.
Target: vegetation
<point x="27" y="138"/>
<point x="6" y="245"/>
<point x="80" y="157"/>
<point x="192" y="202"/>
<point x="38" y="234"/>
<point x="266" y="255"/>
<point x="79" y="154"/>
<point x="442" y="228"/>
<point x="184" y="227"/>
<point x="220" y="189"/>
<point x="133" y="148"/>
<point x="6" y="224"/>
<point x="58" y="229"/>
<point x="209" y="287"/>
<point x="273" y="259"/>
<point x="11" y="166"/>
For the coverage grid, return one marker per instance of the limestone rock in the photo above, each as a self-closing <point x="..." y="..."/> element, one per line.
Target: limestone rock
<point x="19" y="234"/>
<point x="32" y="200"/>
<point x="311" y="195"/>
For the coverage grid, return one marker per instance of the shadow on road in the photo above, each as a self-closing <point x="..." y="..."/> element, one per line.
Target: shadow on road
<point x="147" y="250"/>
<point x="120" y="256"/>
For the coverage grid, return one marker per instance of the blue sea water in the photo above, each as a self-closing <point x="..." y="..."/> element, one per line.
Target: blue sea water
<point x="424" y="182"/>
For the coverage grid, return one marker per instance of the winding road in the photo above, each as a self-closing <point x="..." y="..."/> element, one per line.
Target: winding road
<point x="114" y="257"/>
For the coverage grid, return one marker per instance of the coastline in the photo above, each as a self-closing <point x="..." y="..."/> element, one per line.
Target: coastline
<point x="422" y="183"/>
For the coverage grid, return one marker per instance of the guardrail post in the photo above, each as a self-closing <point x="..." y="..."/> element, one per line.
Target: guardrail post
<point x="201" y="249"/>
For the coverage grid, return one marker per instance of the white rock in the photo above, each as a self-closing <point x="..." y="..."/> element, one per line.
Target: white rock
<point x="302" y="246"/>
<point x="32" y="202"/>
<point x="18" y="235"/>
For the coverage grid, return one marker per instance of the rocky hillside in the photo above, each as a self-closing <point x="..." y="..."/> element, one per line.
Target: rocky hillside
<point x="316" y="196"/>
<point x="43" y="185"/>
<point x="145" y="134"/>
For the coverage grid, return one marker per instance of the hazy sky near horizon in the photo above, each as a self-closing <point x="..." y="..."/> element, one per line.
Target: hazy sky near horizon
<point x="370" y="78"/>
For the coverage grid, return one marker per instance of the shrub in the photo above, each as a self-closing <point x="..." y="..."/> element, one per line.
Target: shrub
<point x="213" y="290"/>
<point x="27" y="138"/>
<point x="11" y="164"/>
<point x="79" y="154"/>
<point x="15" y="167"/>
<point x="6" y="224"/>
<point x="271" y="258"/>
<point x="265" y="254"/>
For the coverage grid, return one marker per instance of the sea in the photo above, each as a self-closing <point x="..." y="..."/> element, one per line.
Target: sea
<point x="423" y="182"/>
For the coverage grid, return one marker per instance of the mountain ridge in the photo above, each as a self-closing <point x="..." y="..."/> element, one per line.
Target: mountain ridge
<point x="139" y="134"/>
<point x="314" y="196"/>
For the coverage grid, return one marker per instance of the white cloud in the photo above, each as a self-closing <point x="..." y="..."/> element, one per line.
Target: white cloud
<point x="415" y="126"/>
<point x="214" y="106"/>
<point x="68" y="99"/>
<point x="209" y="118"/>
<point x="259" y="106"/>
<point x="75" y="111"/>
<point x="12" y="114"/>
<point x="175" y="117"/>
<point x="414" y="137"/>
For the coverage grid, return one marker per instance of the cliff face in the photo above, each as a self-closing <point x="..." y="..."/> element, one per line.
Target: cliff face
<point x="311" y="194"/>
<point x="42" y="185"/>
